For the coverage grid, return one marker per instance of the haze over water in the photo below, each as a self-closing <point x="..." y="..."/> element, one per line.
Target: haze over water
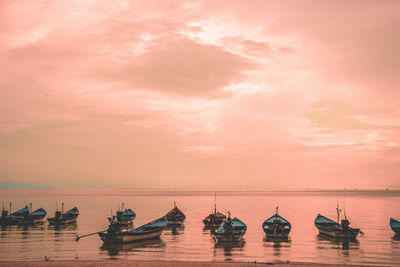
<point x="369" y="211"/>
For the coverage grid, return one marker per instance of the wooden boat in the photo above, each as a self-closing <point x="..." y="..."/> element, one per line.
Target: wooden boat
<point x="231" y="230"/>
<point x="334" y="229"/>
<point x="395" y="225"/>
<point x="276" y="226"/>
<point x="175" y="216"/>
<point x="148" y="231"/>
<point x="28" y="217"/>
<point x="8" y="218"/>
<point x="62" y="218"/>
<point x="216" y="218"/>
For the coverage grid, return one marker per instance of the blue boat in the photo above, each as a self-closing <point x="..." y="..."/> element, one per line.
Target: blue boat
<point x="276" y="226"/>
<point x="230" y="231"/>
<point x="31" y="218"/>
<point x="175" y="216"/>
<point x="334" y="229"/>
<point x="62" y="218"/>
<point x="395" y="225"/>
<point x="12" y="217"/>
<point x="126" y="217"/>
<point x="123" y="217"/>
<point x="216" y="218"/>
<point x="27" y="217"/>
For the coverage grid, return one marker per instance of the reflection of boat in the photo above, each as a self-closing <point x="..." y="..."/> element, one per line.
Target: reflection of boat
<point x="8" y="219"/>
<point x="175" y="229"/>
<point x="115" y="249"/>
<point x="214" y="219"/>
<point x="150" y="230"/>
<point x="276" y="226"/>
<point x="396" y="237"/>
<point x="229" y="246"/>
<point x="231" y="230"/>
<point x="395" y="225"/>
<point x="175" y="216"/>
<point x="62" y="218"/>
<point x="335" y="229"/>
<point x="63" y="227"/>
<point x="343" y="243"/>
<point x="277" y="242"/>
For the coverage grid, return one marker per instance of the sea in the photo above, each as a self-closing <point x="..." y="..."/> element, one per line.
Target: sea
<point x="368" y="210"/>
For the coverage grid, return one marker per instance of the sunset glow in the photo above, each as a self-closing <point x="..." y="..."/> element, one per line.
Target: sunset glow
<point x="200" y="94"/>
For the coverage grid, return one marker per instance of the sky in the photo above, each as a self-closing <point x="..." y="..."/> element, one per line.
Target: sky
<point x="200" y="94"/>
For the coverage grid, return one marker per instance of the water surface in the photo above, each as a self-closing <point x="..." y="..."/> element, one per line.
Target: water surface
<point x="369" y="211"/>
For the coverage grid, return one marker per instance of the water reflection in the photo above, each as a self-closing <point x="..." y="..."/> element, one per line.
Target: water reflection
<point x="277" y="244"/>
<point x="396" y="237"/>
<point x="175" y="229"/>
<point x="195" y="242"/>
<point x="230" y="249"/>
<point x="395" y="246"/>
<point x="324" y="242"/>
<point x="209" y="230"/>
<point x="5" y="230"/>
<point x="7" y="227"/>
<point x="30" y="227"/>
<point x="119" y="249"/>
<point x="64" y="227"/>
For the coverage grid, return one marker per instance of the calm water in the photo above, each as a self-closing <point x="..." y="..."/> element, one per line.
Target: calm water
<point x="369" y="211"/>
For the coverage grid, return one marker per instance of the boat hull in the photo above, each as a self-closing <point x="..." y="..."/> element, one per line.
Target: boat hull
<point x="271" y="234"/>
<point x="30" y="221"/>
<point x="127" y="237"/>
<point x="342" y="234"/>
<point x="395" y="225"/>
<point x="227" y="238"/>
<point x="125" y="223"/>
<point x="8" y="221"/>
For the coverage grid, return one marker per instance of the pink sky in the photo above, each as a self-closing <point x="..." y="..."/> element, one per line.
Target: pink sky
<point x="200" y="94"/>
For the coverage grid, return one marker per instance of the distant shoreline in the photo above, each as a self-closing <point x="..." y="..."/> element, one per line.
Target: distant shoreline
<point x="192" y="192"/>
<point x="124" y="263"/>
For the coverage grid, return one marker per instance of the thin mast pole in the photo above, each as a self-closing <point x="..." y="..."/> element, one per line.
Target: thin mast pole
<point x="215" y="202"/>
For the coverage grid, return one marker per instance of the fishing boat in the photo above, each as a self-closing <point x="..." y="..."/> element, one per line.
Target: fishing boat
<point x="62" y="218"/>
<point x="29" y="217"/>
<point x="215" y="218"/>
<point x="148" y="231"/>
<point x="334" y="229"/>
<point x="395" y="225"/>
<point x="8" y="218"/>
<point x="123" y="217"/>
<point x="231" y="230"/>
<point x="276" y="226"/>
<point x="175" y="217"/>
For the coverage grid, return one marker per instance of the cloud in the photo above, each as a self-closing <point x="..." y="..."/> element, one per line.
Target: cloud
<point x="181" y="66"/>
<point x="250" y="47"/>
<point x="339" y="115"/>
